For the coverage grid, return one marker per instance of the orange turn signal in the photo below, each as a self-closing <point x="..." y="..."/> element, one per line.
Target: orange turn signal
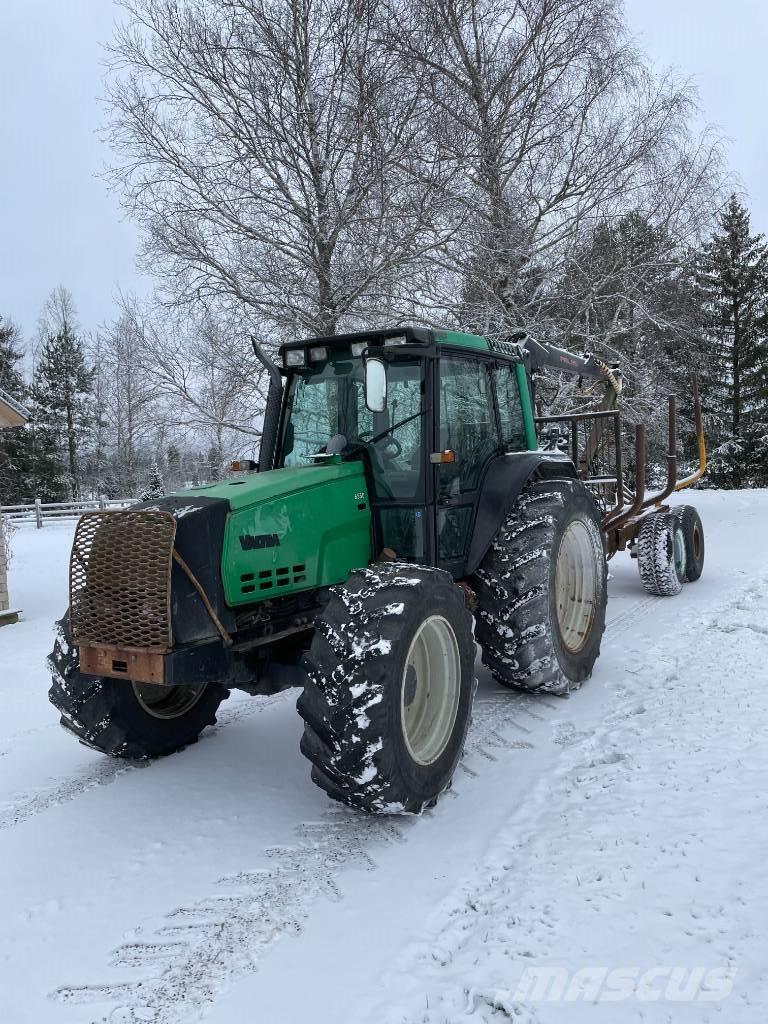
<point x="438" y="458"/>
<point x="243" y="466"/>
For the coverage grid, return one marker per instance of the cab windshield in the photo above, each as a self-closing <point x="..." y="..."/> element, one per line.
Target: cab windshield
<point x="329" y="399"/>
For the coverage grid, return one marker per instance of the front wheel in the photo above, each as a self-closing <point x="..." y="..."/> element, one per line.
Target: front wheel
<point x="389" y="687"/>
<point x="122" y="718"/>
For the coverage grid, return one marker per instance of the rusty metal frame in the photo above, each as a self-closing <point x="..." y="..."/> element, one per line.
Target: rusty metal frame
<point x="140" y="665"/>
<point x="621" y="523"/>
<point x="584" y="462"/>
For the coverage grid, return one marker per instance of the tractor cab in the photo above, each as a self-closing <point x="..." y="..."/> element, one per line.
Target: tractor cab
<point x="425" y="411"/>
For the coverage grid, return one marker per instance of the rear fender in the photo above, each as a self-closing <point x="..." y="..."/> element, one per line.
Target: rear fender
<point x="504" y="480"/>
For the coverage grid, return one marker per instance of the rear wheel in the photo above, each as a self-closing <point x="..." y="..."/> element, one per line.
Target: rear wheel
<point x="693" y="537"/>
<point x="122" y="718"/>
<point x="661" y="554"/>
<point x="389" y="688"/>
<point x="542" y="590"/>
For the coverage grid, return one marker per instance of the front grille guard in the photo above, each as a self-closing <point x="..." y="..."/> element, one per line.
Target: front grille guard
<point x="120" y="580"/>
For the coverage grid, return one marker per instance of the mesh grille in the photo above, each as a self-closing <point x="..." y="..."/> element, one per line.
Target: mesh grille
<point x="120" y="579"/>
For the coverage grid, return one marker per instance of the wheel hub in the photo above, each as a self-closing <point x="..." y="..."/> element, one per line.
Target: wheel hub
<point x="167" y="701"/>
<point x="679" y="551"/>
<point x="576" y="576"/>
<point x="430" y="690"/>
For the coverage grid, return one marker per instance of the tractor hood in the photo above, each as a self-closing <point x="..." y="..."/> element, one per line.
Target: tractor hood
<point x="156" y="588"/>
<point x="276" y="483"/>
<point x="284" y="530"/>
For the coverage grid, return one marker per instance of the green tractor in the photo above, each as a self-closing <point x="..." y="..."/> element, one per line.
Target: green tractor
<point x="403" y="494"/>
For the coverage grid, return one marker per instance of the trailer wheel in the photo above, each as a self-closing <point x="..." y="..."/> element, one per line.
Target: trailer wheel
<point x="693" y="535"/>
<point x="388" y="695"/>
<point x="122" y="718"/>
<point x="541" y="590"/>
<point x="661" y="554"/>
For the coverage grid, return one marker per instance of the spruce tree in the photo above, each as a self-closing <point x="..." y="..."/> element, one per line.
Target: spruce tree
<point x="215" y="458"/>
<point x="733" y="280"/>
<point x="174" y="467"/>
<point x="11" y="380"/>
<point x="62" y="396"/>
<point x="155" y="486"/>
<point x="15" y="446"/>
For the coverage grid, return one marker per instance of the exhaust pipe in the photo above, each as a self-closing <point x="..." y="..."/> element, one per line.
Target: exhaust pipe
<point x="271" y="410"/>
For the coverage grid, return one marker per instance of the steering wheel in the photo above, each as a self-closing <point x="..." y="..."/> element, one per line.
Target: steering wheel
<point x="387" y="442"/>
<point x="392" y="442"/>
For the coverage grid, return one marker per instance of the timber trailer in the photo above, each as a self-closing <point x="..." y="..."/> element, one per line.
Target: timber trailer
<point x="405" y="492"/>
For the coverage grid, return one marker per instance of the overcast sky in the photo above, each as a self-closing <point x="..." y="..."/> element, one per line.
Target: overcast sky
<point x="59" y="224"/>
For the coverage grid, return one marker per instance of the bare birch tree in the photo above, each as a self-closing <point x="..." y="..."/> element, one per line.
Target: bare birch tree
<point x="127" y="398"/>
<point x="272" y="152"/>
<point x="558" y="123"/>
<point x="201" y="368"/>
<point x="309" y="166"/>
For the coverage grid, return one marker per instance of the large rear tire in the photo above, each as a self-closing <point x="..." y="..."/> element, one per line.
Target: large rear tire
<point x="125" y="719"/>
<point x="542" y="590"/>
<point x="389" y="688"/>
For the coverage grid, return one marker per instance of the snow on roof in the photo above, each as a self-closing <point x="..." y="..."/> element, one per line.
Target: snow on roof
<point x="12" y="413"/>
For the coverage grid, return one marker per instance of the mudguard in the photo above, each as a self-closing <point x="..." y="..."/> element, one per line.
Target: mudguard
<point x="505" y="478"/>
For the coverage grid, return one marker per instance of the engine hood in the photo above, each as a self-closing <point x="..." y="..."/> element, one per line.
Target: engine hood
<point x="272" y="534"/>
<point x="275" y="483"/>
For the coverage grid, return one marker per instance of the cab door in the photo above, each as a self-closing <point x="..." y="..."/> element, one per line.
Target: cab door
<point x="468" y="426"/>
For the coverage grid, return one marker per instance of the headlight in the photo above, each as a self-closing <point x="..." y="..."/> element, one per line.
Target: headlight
<point x="358" y="347"/>
<point x="318" y="353"/>
<point x="399" y="339"/>
<point x="295" y="357"/>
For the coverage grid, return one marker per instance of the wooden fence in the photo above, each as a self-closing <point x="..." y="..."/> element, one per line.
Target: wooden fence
<point x="40" y="512"/>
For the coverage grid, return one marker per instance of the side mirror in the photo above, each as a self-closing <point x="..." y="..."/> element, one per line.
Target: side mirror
<point x="375" y="385"/>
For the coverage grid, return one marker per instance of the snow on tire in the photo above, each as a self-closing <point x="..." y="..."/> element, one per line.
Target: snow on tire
<point x="388" y="695"/>
<point x="542" y="590"/>
<point x="123" y="719"/>
<point x="661" y="554"/>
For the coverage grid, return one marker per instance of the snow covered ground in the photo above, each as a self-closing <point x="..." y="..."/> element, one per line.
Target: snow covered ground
<point x="599" y="858"/>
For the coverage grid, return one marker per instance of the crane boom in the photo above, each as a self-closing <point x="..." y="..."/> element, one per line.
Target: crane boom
<point x="554" y="358"/>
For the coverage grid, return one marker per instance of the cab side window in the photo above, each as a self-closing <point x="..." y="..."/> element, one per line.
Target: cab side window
<point x="510" y="409"/>
<point x="467" y="423"/>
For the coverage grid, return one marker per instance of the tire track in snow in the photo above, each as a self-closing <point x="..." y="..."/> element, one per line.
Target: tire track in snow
<point x="204" y="944"/>
<point x="27" y="806"/>
<point x="627" y="618"/>
<point x="201" y="947"/>
<point x="108" y="770"/>
<point x="468" y="931"/>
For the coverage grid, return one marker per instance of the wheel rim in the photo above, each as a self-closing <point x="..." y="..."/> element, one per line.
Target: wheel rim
<point x="678" y="546"/>
<point x="167" y="701"/>
<point x="696" y="542"/>
<point x="576" y="576"/>
<point x="429" y="694"/>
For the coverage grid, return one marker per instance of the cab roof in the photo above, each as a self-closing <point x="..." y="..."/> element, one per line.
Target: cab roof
<point x="416" y="336"/>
